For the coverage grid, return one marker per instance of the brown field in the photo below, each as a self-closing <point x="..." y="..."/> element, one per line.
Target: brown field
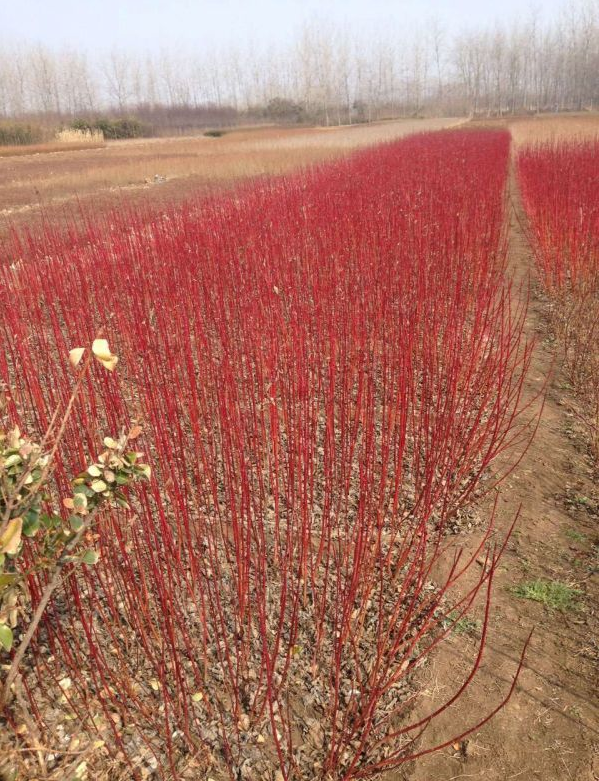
<point x="549" y="127"/>
<point x="167" y="170"/>
<point x="52" y="147"/>
<point x="546" y="127"/>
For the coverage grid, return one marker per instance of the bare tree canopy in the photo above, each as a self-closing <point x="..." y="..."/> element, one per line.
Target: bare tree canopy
<point x="326" y="74"/>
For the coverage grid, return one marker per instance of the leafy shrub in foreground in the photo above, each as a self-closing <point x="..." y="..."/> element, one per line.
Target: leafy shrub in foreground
<point x="25" y="513"/>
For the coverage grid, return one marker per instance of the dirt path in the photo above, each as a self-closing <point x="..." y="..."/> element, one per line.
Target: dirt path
<point x="550" y="728"/>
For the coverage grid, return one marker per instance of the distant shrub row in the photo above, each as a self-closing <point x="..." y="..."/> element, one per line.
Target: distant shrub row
<point x="16" y="134"/>
<point x="126" y="127"/>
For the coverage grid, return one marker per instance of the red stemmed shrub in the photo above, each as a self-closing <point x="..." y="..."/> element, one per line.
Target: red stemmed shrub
<point x="560" y="190"/>
<point x="327" y="366"/>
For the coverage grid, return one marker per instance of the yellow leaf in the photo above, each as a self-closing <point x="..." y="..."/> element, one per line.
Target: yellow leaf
<point x="98" y="486"/>
<point x="109" y="363"/>
<point x="110" y="443"/>
<point x="6" y="636"/>
<point x="75" y="355"/>
<point x="102" y="352"/>
<point x="244" y="722"/>
<point x="11" y="539"/>
<point x="101" y="349"/>
<point x="14" y="438"/>
<point x="80" y="503"/>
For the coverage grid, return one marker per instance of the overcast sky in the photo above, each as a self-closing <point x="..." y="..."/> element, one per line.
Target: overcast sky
<point x="152" y="24"/>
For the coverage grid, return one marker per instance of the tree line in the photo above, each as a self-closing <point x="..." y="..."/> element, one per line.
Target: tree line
<point x="326" y="74"/>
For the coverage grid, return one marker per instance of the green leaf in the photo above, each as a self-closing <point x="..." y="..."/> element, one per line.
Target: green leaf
<point x="76" y="522"/>
<point x="50" y="521"/>
<point x="31" y="523"/>
<point x="90" y="557"/>
<point x="5" y="637"/>
<point x="80" y="501"/>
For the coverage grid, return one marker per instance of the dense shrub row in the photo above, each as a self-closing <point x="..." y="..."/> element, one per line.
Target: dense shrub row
<point x="122" y="127"/>
<point x="20" y="133"/>
<point x="560" y="188"/>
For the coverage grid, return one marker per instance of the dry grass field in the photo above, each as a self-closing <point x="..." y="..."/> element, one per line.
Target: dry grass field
<point x="163" y="170"/>
<point x="546" y="127"/>
<point x="549" y="127"/>
<point x="52" y="147"/>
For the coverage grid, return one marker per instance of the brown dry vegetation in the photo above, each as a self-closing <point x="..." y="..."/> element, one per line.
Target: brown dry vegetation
<point x="159" y="170"/>
<point x="550" y="127"/>
<point x="545" y="127"/>
<point x="52" y="147"/>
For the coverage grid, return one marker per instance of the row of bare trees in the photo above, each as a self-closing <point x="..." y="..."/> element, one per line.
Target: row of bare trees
<point x="330" y="74"/>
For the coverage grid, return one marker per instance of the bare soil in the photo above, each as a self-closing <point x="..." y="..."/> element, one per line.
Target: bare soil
<point x="550" y="728"/>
